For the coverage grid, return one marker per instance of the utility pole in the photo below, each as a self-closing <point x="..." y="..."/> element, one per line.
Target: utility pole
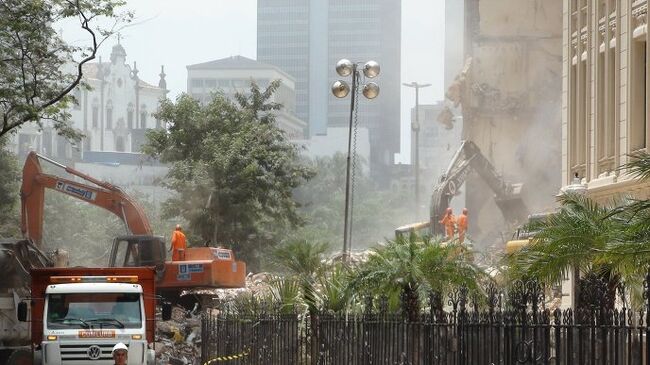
<point x="341" y="89"/>
<point x="415" y="127"/>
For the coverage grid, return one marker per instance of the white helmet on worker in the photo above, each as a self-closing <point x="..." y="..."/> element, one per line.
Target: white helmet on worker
<point x="119" y="346"/>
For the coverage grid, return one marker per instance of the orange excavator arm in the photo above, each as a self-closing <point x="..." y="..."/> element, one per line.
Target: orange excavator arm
<point x="104" y="195"/>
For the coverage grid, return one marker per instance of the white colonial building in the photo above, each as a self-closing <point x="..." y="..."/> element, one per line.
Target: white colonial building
<point x="113" y="113"/>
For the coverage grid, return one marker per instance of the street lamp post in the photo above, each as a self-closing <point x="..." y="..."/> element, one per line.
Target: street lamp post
<point x="341" y="89"/>
<point x="415" y="127"/>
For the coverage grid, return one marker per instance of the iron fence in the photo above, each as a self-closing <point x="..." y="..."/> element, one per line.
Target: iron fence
<point x="468" y="330"/>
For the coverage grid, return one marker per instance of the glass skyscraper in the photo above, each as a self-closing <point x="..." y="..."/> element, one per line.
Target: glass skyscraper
<point x="307" y="37"/>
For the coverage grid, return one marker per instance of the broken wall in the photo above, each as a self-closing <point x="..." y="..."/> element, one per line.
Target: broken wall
<point x="511" y="104"/>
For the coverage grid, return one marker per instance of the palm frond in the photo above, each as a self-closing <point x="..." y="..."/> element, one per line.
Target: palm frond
<point x="576" y="236"/>
<point x="639" y="165"/>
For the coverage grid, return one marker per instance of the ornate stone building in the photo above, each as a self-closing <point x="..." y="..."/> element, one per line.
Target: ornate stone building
<point x="113" y="113"/>
<point x="605" y="94"/>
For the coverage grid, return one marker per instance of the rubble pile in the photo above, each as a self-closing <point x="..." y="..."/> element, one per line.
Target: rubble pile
<point x="178" y="341"/>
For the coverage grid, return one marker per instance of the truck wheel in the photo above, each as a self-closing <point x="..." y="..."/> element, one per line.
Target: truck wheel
<point x="20" y="357"/>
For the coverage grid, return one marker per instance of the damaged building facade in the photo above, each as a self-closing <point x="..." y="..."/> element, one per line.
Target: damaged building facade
<point x="508" y="92"/>
<point x="605" y="94"/>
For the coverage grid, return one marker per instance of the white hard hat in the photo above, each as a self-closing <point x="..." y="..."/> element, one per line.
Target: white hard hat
<point x="119" y="346"/>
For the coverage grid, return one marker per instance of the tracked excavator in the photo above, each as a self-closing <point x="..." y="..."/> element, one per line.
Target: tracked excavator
<point x="201" y="267"/>
<point x="469" y="158"/>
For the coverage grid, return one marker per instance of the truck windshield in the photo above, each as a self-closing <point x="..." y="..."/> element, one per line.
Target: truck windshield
<point x="96" y="310"/>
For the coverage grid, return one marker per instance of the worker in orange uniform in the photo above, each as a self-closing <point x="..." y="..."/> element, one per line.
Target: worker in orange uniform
<point x="449" y="221"/>
<point x="461" y="221"/>
<point x="178" y="243"/>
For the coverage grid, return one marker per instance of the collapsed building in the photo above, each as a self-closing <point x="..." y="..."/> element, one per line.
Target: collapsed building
<point x="505" y="81"/>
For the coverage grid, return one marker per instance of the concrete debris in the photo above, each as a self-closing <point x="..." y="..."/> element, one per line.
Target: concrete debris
<point x="446" y="118"/>
<point x="456" y="89"/>
<point x="178" y="341"/>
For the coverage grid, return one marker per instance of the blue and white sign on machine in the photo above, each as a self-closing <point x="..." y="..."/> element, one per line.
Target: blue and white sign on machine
<point x="185" y="270"/>
<point x="76" y="190"/>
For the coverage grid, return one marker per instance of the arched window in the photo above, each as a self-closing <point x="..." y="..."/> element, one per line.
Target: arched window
<point x="95" y="113"/>
<point x="143" y="116"/>
<point x="129" y="116"/>
<point x="109" y="115"/>
<point x="119" y="144"/>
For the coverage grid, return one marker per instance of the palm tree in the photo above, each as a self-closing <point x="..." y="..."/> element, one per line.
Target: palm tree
<point x="612" y="241"/>
<point x="576" y="237"/>
<point x="408" y="265"/>
<point x="392" y="268"/>
<point x="303" y="261"/>
<point x="449" y="266"/>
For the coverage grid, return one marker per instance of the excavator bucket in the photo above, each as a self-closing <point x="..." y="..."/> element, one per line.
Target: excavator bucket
<point x="512" y="206"/>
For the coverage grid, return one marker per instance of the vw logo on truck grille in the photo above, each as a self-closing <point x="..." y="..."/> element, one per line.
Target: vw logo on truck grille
<point x="94" y="352"/>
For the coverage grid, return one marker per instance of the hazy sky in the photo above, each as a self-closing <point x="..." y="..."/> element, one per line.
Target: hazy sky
<point x="179" y="33"/>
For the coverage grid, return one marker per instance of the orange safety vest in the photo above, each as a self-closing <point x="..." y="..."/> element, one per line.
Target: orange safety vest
<point x="449" y="221"/>
<point x="462" y="223"/>
<point x="178" y="240"/>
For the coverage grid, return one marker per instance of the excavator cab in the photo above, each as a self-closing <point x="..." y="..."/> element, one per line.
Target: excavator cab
<point x="138" y="250"/>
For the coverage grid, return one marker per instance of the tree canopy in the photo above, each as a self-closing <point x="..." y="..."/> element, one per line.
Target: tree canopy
<point x="610" y="239"/>
<point x="34" y="82"/>
<point x="376" y="213"/>
<point x="9" y="179"/>
<point x="232" y="168"/>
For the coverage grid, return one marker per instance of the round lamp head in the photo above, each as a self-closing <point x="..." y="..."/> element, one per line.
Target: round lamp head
<point x="371" y="69"/>
<point x="370" y="90"/>
<point x="344" y="67"/>
<point x="340" y="89"/>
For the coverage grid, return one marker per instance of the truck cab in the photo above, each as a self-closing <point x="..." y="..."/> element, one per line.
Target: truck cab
<point x="79" y="314"/>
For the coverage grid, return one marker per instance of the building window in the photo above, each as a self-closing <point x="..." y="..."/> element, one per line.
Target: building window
<point x="612" y="115"/>
<point x="638" y="130"/>
<point x="95" y="113"/>
<point x="601" y="107"/>
<point x="87" y="143"/>
<point x="109" y="115"/>
<point x="47" y="142"/>
<point x="143" y="116"/>
<point x="119" y="144"/>
<point x="61" y="147"/>
<point x="77" y="99"/>
<point x="196" y="82"/>
<point x="129" y="116"/>
<point x="578" y="118"/>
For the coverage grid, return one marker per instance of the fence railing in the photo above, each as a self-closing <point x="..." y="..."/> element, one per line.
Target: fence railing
<point x="469" y="331"/>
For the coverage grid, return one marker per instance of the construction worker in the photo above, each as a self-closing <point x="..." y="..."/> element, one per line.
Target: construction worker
<point x="178" y="244"/>
<point x="462" y="225"/>
<point x="449" y="221"/>
<point x="120" y="354"/>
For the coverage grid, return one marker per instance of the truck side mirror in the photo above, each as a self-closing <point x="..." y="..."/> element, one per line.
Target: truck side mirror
<point x="21" y="312"/>
<point x="166" y="311"/>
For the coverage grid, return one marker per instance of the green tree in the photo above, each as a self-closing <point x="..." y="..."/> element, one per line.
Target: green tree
<point x="407" y="265"/>
<point x="610" y="240"/>
<point x="34" y="85"/>
<point x="84" y="230"/>
<point x="376" y="213"/>
<point x="9" y="179"/>
<point x="577" y="237"/>
<point x="301" y="262"/>
<point x="232" y="168"/>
